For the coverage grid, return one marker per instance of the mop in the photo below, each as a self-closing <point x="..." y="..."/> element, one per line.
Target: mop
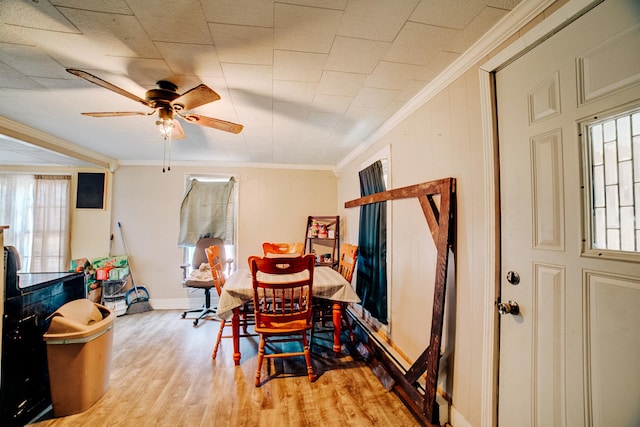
<point x="138" y="297"/>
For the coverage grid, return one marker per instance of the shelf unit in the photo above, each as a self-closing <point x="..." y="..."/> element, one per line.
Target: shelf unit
<point x="325" y="247"/>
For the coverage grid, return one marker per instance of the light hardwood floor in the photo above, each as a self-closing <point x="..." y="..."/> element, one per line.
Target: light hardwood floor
<point x="162" y="374"/>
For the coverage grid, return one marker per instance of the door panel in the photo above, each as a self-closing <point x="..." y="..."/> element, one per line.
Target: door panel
<point x="570" y="356"/>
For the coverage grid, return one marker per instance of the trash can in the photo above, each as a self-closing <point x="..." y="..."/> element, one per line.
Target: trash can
<point x="79" y="346"/>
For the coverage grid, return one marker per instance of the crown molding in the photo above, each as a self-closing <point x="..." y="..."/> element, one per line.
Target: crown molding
<point x="45" y="141"/>
<point x="229" y="165"/>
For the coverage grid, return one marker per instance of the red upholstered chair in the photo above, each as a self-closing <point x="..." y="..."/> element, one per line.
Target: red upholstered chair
<point x="282" y="306"/>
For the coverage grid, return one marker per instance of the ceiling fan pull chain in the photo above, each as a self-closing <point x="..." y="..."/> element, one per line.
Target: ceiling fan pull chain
<point x="166" y="159"/>
<point x="164" y="156"/>
<point x="169" y="163"/>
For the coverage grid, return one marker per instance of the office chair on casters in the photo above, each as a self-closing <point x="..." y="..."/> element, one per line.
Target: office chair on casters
<point x="204" y="280"/>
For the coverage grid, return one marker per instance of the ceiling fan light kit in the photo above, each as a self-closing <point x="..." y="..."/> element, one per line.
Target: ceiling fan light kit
<point x="166" y="101"/>
<point x="166" y="127"/>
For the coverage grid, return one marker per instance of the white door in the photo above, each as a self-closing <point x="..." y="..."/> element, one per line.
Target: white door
<point x="571" y="356"/>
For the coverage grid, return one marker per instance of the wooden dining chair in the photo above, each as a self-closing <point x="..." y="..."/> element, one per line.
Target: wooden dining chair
<point x="216" y="262"/>
<point x="270" y="248"/>
<point x="283" y="311"/>
<point x="322" y="308"/>
<point x="348" y="258"/>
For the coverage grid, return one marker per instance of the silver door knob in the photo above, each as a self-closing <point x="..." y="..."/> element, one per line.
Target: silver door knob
<point x="509" y="307"/>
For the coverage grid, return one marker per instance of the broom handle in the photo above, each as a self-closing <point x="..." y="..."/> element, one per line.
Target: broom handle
<point x="126" y="252"/>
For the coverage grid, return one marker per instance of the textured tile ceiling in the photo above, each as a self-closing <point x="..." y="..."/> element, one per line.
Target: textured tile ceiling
<point x="309" y="79"/>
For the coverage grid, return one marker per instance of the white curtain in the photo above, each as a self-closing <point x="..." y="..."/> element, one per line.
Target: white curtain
<point x="51" y="218"/>
<point x="208" y="210"/>
<point x="37" y="210"/>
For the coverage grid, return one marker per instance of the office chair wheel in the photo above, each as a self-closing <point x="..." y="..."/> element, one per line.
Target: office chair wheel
<point x="195" y="322"/>
<point x="184" y="315"/>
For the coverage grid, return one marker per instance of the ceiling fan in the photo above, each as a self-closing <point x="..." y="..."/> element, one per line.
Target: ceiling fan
<point x="166" y="101"/>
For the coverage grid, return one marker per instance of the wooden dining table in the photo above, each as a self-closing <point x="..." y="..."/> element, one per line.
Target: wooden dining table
<point x="327" y="284"/>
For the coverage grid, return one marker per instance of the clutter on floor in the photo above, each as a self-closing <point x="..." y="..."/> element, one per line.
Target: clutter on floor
<point x="106" y="279"/>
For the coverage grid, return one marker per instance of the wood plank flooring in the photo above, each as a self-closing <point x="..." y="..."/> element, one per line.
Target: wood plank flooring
<point x="162" y="374"/>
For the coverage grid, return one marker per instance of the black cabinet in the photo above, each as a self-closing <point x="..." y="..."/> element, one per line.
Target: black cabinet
<point x="24" y="378"/>
<point x="322" y="238"/>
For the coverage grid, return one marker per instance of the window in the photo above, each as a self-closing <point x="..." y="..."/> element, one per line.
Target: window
<point x="37" y="210"/>
<point x="197" y="223"/>
<point x="612" y="148"/>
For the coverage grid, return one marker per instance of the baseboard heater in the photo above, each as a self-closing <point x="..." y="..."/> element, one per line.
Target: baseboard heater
<point x="391" y="371"/>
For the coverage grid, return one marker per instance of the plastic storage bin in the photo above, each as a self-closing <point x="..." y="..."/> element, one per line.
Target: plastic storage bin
<point x="114" y="296"/>
<point x="79" y="346"/>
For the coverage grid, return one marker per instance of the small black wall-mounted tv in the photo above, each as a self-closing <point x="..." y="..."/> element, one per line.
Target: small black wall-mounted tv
<point x="90" y="194"/>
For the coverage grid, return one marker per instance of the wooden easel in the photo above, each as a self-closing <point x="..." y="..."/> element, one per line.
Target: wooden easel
<point x="441" y="221"/>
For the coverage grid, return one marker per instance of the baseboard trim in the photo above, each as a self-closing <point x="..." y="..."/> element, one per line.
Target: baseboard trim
<point x="180" y="303"/>
<point x="457" y="419"/>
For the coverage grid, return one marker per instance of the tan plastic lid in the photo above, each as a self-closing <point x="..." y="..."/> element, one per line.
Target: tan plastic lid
<point x="78" y="318"/>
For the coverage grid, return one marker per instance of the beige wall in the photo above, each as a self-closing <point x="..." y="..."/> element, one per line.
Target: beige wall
<point x="442" y="139"/>
<point x="273" y="206"/>
<point x="89" y="227"/>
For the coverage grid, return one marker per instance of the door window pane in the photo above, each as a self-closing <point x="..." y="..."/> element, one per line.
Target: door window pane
<point x="613" y="145"/>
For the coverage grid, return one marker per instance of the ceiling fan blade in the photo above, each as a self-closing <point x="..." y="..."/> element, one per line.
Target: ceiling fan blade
<point x="118" y="113"/>
<point x="199" y="95"/>
<point x="213" y="123"/>
<point x="177" y="133"/>
<point x="98" y="81"/>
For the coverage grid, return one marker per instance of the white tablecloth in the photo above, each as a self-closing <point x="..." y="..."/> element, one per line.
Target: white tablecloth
<point x="327" y="283"/>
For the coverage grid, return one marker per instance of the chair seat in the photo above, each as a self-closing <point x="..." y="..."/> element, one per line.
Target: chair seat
<point x="199" y="283"/>
<point x="283" y="328"/>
